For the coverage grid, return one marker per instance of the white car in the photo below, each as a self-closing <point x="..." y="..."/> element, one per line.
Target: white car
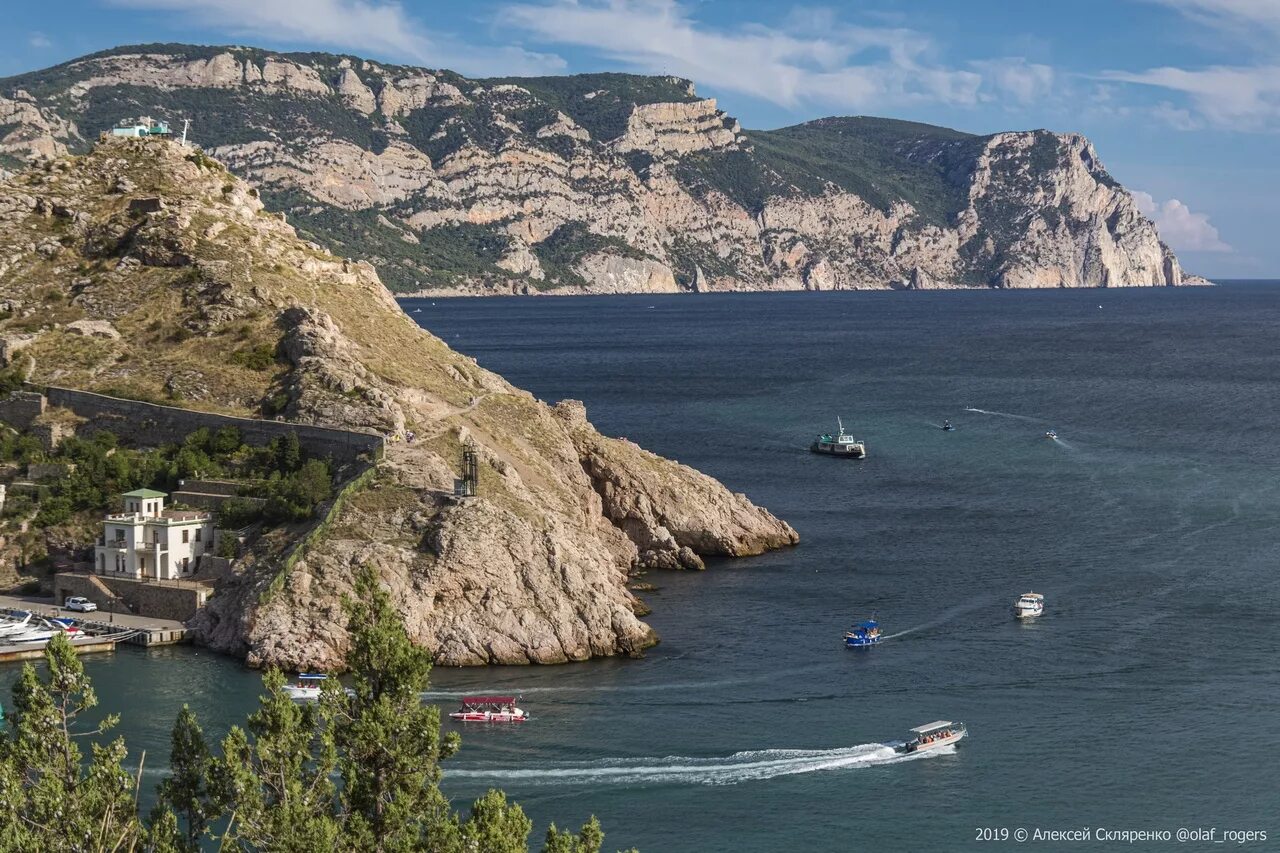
<point x="77" y="602"/>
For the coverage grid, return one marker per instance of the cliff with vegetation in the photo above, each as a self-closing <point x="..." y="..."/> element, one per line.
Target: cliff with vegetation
<point x="145" y="269"/>
<point x="606" y="183"/>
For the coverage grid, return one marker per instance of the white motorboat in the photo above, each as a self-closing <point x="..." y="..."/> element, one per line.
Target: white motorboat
<point x="308" y="687"/>
<point x="1028" y="605"/>
<point x="40" y="634"/>
<point x="10" y="628"/>
<point x="840" y="444"/>
<point x="933" y="736"/>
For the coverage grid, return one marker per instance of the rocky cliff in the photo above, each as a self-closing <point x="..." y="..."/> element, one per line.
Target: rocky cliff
<point x="606" y="182"/>
<point x="145" y="269"/>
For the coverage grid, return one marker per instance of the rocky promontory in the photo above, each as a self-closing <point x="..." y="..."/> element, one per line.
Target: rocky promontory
<point x="145" y="269"/>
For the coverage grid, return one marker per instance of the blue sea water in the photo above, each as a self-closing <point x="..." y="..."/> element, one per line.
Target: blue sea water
<point x="1144" y="698"/>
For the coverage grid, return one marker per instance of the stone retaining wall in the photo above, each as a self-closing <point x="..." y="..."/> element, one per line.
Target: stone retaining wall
<point x="157" y="600"/>
<point x="149" y="423"/>
<point x="21" y="408"/>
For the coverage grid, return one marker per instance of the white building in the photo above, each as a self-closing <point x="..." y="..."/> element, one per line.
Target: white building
<point x="149" y="541"/>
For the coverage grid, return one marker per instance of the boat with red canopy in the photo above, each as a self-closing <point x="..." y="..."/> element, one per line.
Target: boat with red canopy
<point x="489" y="709"/>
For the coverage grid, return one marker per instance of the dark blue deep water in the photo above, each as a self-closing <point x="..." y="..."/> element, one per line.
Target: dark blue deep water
<point x="1146" y="696"/>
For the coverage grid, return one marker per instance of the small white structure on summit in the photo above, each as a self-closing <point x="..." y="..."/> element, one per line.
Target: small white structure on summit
<point x="149" y="541"/>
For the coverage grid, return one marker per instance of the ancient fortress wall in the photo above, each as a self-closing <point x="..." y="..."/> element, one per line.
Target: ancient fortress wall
<point x="152" y="424"/>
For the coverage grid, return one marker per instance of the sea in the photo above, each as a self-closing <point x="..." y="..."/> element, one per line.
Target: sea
<point x="1142" y="701"/>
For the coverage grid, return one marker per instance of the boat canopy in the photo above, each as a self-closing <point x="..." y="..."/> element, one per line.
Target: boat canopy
<point x="489" y="700"/>
<point x="1033" y="595"/>
<point x="940" y="724"/>
<point x="312" y="676"/>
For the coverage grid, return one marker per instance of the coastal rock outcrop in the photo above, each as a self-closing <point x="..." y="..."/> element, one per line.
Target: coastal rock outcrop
<point x="200" y="294"/>
<point x="591" y="183"/>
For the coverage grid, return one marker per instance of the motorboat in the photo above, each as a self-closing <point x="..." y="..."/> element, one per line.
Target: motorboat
<point x="1051" y="435"/>
<point x="10" y="628"/>
<point x="40" y="634"/>
<point x="489" y="709"/>
<point x="1029" y="604"/>
<point x="863" y="634"/>
<point x="308" y="686"/>
<point x="933" y="736"/>
<point x="947" y="426"/>
<point x="840" y="444"/>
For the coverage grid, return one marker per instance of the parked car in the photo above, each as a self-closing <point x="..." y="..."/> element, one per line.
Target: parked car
<point x="80" y="603"/>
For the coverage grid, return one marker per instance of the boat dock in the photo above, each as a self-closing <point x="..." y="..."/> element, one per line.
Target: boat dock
<point x="107" y="629"/>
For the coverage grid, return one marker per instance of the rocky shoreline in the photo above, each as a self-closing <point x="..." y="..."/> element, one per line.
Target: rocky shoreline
<point x="534" y="569"/>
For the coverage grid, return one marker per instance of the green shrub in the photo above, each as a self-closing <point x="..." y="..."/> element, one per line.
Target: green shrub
<point x="256" y="357"/>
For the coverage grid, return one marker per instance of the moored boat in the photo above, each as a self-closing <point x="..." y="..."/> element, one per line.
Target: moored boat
<point x="1029" y="604"/>
<point x="840" y="444"/>
<point x="863" y="634"/>
<point x="933" y="736"/>
<point x="489" y="709"/>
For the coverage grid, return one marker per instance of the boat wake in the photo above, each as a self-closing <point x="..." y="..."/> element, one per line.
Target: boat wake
<point x="679" y="769"/>
<point x="1004" y="415"/>
<point x="945" y="617"/>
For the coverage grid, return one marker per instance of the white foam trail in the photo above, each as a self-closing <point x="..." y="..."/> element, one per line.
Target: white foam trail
<point x="945" y="617"/>
<point x="679" y="769"/>
<point x="1004" y="415"/>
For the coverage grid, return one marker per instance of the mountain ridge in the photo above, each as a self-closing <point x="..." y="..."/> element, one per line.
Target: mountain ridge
<point x="607" y="182"/>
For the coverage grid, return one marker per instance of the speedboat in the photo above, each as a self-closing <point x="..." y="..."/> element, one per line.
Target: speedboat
<point x="933" y="736"/>
<point x="10" y="628"/>
<point x="947" y="426"/>
<point x="840" y="444"/>
<point x="1028" y="604"/>
<point x="489" y="709"/>
<point x="42" y="634"/>
<point x="1051" y="435"/>
<point x="863" y="634"/>
<point x="308" y="687"/>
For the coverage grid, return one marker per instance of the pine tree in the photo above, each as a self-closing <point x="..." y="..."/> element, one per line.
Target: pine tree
<point x="185" y="794"/>
<point x="50" y="798"/>
<point x="389" y="741"/>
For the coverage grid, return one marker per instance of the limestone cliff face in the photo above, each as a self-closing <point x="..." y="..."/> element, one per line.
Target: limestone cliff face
<point x="145" y="269"/>
<point x="608" y="183"/>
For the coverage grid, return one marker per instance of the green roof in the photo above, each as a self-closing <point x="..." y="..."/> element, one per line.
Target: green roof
<point x="144" y="493"/>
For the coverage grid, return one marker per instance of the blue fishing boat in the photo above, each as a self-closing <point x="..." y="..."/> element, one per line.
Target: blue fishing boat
<point x="863" y="634"/>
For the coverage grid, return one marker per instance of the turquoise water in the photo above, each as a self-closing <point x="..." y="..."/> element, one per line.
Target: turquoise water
<point x="1141" y="700"/>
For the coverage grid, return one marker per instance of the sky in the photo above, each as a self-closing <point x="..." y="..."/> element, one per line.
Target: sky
<point x="1180" y="97"/>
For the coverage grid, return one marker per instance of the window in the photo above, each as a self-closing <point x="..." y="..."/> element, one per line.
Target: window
<point x="186" y="536"/>
<point x="198" y="532"/>
<point x="186" y="565"/>
<point x="119" y="534"/>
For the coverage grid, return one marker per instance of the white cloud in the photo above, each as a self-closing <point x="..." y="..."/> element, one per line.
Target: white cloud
<point x="1244" y="98"/>
<point x="39" y="40"/>
<point x="812" y="57"/>
<point x="1023" y="82"/>
<point x="1179" y="226"/>
<point x="1244" y="95"/>
<point x="380" y="26"/>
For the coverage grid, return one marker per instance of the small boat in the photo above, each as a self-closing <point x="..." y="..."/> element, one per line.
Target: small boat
<point x="933" y="736"/>
<point x="1051" y="435"/>
<point x="841" y="444"/>
<point x="489" y="709"/>
<point x="308" y="687"/>
<point x="8" y="628"/>
<point x="42" y="634"/>
<point x="947" y="426"/>
<point x="863" y="634"/>
<point x="1028" y="605"/>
